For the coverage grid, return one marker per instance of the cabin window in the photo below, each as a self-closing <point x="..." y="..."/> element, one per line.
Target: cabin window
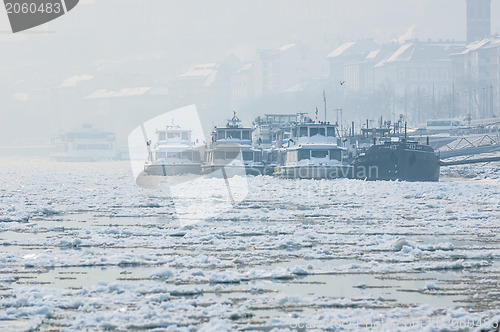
<point x="174" y="155"/>
<point x="187" y="155"/>
<point x="248" y="155"/>
<point x="234" y="134"/>
<point x="336" y="155"/>
<point x="219" y="155"/>
<point x="331" y="131"/>
<point x="303" y="132"/>
<point x="257" y="157"/>
<point x="172" y="135"/>
<point x="317" y="131"/>
<point x="231" y="155"/>
<point x="292" y="156"/>
<point x="161" y="155"/>
<point x="185" y="136"/>
<point x="246" y="134"/>
<point x="196" y="156"/>
<point x="319" y="153"/>
<point x="221" y="134"/>
<point x="161" y="136"/>
<point x="303" y="154"/>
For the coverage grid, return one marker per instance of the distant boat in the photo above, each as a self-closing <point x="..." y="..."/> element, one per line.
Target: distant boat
<point x="84" y="144"/>
<point x="231" y="150"/>
<point x="313" y="153"/>
<point x="173" y="153"/>
<point x="398" y="159"/>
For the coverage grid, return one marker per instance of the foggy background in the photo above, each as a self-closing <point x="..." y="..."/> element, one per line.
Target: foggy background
<point x="117" y="63"/>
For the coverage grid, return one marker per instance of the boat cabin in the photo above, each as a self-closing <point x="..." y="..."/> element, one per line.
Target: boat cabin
<point x="297" y="155"/>
<point x="174" y="135"/>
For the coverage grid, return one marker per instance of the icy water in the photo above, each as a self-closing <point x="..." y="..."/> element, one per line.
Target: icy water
<point x="84" y="248"/>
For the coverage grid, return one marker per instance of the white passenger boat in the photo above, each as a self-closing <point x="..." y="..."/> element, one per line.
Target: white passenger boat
<point x="84" y="144"/>
<point x="231" y="151"/>
<point x="173" y="153"/>
<point x="313" y="153"/>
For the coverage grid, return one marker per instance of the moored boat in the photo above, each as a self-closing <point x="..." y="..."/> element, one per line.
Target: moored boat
<point x="232" y="152"/>
<point x="313" y="153"/>
<point x="84" y="144"/>
<point x="398" y="159"/>
<point x="173" y="153"/>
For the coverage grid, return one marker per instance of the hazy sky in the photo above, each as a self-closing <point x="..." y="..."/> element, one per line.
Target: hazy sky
<point x="163" y="38"/>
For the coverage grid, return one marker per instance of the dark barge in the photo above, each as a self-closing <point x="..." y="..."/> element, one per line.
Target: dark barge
<point x="398" y="160"/>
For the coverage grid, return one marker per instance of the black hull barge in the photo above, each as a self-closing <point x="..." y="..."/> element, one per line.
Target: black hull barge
<point x="401" y="160"/>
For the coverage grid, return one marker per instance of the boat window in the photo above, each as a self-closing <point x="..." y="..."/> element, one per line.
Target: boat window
<point x="235" y="134"/>
<point x="231" y="155"/>
<point x="319" y="153"/>
<point x="221" y="134"/>
<point x="294" y="132"/>
<point x="246" y="134"/>
<point x="331" y="131"/>
<point x="257" y="157"/>
<point x="196" y="156"/>
<point x="304" y="154"/>
<point x="175" y="155"/>
<point x="303" y="132"/>
<point x="161" y="136"/>
<point x="291" y="156"/>
<point x="317" y="131"/>
<point x="161" y="155"/>
<point x="219" y="155"/>
<point x="336" y="155"/>
<point x="172" y="135"/>
<point x="248" y="155"/>
<point x="187" y="155"/>
<point x="185" y="136"/>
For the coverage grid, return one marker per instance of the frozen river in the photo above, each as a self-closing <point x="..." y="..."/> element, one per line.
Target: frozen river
<point x="83" y="247"/>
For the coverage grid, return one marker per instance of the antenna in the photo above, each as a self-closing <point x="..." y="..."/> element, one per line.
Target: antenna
<point x="324" y="99"/>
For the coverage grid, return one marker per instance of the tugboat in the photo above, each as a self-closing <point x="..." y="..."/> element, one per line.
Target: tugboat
<point x="173" y="153"/>
<point x="398" y="159"/>
<point x="313" y="153"/>
<point x="231" y="150"/>
<point x="271" y="133"/>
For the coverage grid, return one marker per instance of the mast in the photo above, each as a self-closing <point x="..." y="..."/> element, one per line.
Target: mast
<point x="324" y="99"/>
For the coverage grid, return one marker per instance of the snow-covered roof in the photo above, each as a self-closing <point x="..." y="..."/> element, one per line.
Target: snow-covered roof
<point x="372" y="54"/>
<point x="246" y="67"/>
<point x="341" y="49"/>
<point x="74" y="80"/>
<point x="396" y="55"/>
<point x="127" y="92"/>
<point x="474" y="46"/>
<point x="286" y="47"/>
<point x="200" y="70"/>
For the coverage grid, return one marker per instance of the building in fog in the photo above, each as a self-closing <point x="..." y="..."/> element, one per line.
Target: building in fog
<point x="478" y="20"/>
<point x="477" y="78"/>
<point x="419" y="75"/>
<point x="278" y="70"/>
<point x="352" y="63"/>
<point x="243" y="84"/>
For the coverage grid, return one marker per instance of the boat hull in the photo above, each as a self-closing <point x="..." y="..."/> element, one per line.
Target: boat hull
<point x="232" y="170"/>
<point x="170" y="170"/>
<point x="382" y="163"/>
<point x="315" y="172"/>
